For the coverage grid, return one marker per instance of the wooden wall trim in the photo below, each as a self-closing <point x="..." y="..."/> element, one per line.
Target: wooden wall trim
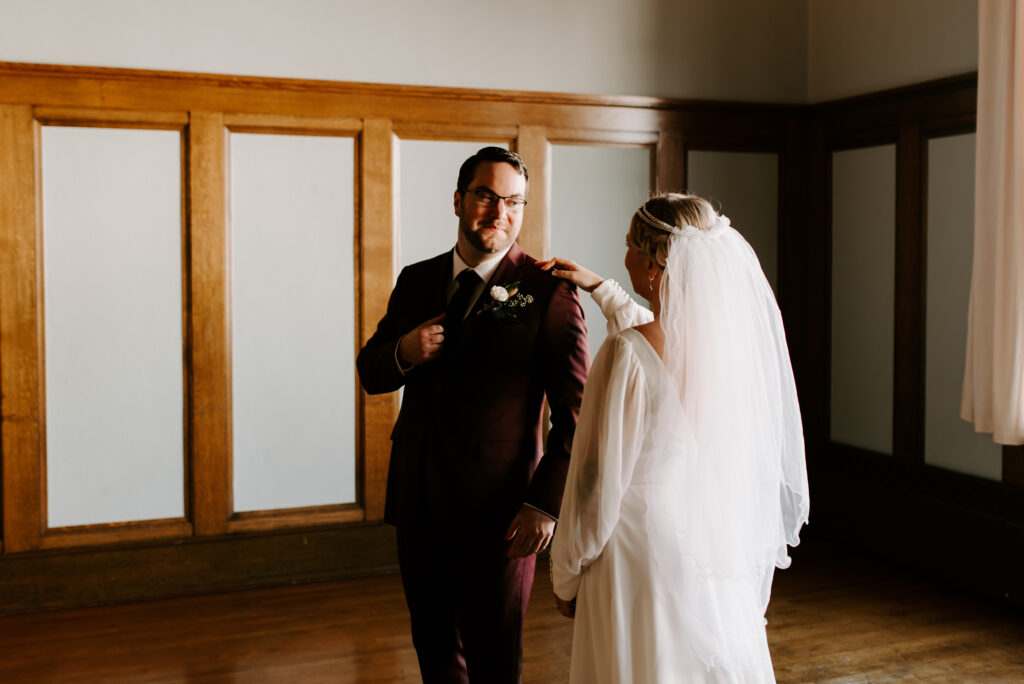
<point x="223" y="81"/>
<point x="669" y="162"/>
<point x="21" y="399"/>
<point x="533" y="145"/>
<point x="1013" y="464"/>
<point x="909" y="325"/>
<point x="209" y="326"/>
<point x="377" y="240"/>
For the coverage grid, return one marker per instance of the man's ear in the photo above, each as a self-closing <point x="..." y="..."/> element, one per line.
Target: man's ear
<point x="458" y="204"/>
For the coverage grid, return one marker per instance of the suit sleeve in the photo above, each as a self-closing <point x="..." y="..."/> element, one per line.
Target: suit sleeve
<point x="377" y="361"/>
<point x="565" y="363"/>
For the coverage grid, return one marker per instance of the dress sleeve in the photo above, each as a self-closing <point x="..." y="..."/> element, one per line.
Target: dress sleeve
<point x="618" y="307"/>
<point x="606" y="447"/>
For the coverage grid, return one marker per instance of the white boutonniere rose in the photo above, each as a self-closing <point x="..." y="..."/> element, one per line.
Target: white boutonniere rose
<point x="506" y="302"/>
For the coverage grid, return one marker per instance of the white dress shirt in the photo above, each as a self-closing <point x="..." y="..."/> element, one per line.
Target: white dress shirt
<point x="485" y="269"/>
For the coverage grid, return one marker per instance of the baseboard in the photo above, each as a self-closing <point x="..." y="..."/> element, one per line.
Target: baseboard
<point x="87" y="577"/>
<point x="960" y="529"/>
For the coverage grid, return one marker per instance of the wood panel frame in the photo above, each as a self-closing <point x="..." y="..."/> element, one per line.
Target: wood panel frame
<point x="25" y="525"/>
<point x="304" y="516"/>
<point x="206" y="108"/>
<point x="962" y="529"/>
<point x="905" y="118"/>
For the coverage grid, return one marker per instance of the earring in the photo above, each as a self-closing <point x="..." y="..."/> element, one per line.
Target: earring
<point x="650" y="283"/>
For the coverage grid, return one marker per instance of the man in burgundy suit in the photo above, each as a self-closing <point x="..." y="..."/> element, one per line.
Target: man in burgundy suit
<point x="478" y="336"/>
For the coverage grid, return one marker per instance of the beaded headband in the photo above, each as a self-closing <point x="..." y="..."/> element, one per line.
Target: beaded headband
<point x="655" y="222"/>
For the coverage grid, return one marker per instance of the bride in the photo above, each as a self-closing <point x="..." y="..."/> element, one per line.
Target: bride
<point x="687" y="479"/>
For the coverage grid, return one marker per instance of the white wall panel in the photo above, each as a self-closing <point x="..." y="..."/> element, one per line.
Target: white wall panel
<point x="594" y="193"/>
<point x="113" y="325"/>
<point x="949" y="441"/>
<point x="863" y="296"/>
<point x="293" y="313"/>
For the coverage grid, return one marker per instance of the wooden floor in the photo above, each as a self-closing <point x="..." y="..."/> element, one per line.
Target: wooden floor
<point x="833" y="618"/>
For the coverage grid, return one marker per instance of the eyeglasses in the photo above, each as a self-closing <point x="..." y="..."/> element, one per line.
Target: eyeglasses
<point x="486" y="198"/>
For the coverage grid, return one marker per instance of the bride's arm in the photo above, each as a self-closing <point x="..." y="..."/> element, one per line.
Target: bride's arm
<point x="620" y="310"/>
<point x="605" y="449"/>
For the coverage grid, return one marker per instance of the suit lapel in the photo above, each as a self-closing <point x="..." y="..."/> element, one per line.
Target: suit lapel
<point x="438" y="293"/>
<point x="505" y="273"/>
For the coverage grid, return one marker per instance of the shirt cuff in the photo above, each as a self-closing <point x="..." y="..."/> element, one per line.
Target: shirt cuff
<point x="610" y="297"/>
<point x="398" y="364"/>
<point x="540" y="511"/>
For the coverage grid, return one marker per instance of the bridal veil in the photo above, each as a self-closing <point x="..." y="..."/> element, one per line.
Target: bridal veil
<point x="743" y="493"/>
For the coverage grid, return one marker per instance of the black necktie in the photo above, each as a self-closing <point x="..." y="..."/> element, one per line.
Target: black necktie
<point x="466" y="283"/>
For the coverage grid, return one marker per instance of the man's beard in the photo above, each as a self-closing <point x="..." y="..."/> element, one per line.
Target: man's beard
<point x="477" y="240"/>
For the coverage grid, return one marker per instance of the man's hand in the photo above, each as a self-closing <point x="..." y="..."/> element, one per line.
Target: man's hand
<point x="530" y="532"/>
<point x="568" y="269"/>
<point x="423" y="343"/>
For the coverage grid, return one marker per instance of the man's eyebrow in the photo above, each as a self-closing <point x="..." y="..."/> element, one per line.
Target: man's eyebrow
<point x="484" y="187"/>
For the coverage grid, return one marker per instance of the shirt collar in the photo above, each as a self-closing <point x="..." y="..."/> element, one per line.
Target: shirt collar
<point x="485" y="269"/>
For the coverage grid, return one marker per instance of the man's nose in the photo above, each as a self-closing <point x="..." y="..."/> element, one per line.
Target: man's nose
<point x="499" y="208"/>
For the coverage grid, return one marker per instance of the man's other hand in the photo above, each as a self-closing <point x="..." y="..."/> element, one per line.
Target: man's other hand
<point x="530" y="532"/>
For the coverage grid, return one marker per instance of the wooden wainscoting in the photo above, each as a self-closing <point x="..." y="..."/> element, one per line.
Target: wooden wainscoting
<point x="214" y="547"/>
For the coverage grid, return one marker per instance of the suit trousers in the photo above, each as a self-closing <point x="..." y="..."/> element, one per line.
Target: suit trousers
<point x="467" y="603"/>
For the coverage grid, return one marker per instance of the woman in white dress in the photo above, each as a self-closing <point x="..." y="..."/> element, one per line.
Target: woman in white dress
<point x="687" y="479"/>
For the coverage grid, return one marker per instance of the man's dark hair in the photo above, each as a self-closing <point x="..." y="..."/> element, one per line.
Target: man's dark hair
<point x="490" y="154"/>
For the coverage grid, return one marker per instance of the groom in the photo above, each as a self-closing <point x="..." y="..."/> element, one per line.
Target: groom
<point x="479" y="337"/>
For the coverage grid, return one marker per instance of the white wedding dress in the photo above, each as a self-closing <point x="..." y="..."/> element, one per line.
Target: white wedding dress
<point x="618" y="547"/>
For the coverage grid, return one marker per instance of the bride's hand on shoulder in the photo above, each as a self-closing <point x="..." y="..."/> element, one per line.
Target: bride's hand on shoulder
<point x="568" y="269"/>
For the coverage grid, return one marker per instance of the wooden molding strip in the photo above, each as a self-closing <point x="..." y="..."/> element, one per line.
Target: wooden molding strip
<point x="590" y="136"/>
<point x="136" y="530"/>
<point x="359" y="88"/>
<point x="119" y="118"/>
<point x="311" y="516"/>
<point x="434" y="130"/>
<point x="295" y="125"/>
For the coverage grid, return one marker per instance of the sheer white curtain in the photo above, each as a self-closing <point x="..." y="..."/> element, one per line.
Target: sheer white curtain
<point x="993" y="397"/>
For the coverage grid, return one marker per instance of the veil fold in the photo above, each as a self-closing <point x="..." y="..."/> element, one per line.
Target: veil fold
<point x="743" y="493"/>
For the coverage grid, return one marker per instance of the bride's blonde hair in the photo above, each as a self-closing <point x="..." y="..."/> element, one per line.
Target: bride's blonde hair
<point x="674" y="209"/>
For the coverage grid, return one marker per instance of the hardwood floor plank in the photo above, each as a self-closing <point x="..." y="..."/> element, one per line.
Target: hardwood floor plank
<point x="833" y="618"/>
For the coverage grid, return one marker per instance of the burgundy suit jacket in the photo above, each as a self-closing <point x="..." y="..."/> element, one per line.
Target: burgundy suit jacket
<point x="466" y="448"/>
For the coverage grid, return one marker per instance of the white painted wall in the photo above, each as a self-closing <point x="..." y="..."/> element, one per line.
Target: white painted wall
<point x="870" y="45"/>
<point x="721" y="49"/>
<point x="767" y="50"/>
